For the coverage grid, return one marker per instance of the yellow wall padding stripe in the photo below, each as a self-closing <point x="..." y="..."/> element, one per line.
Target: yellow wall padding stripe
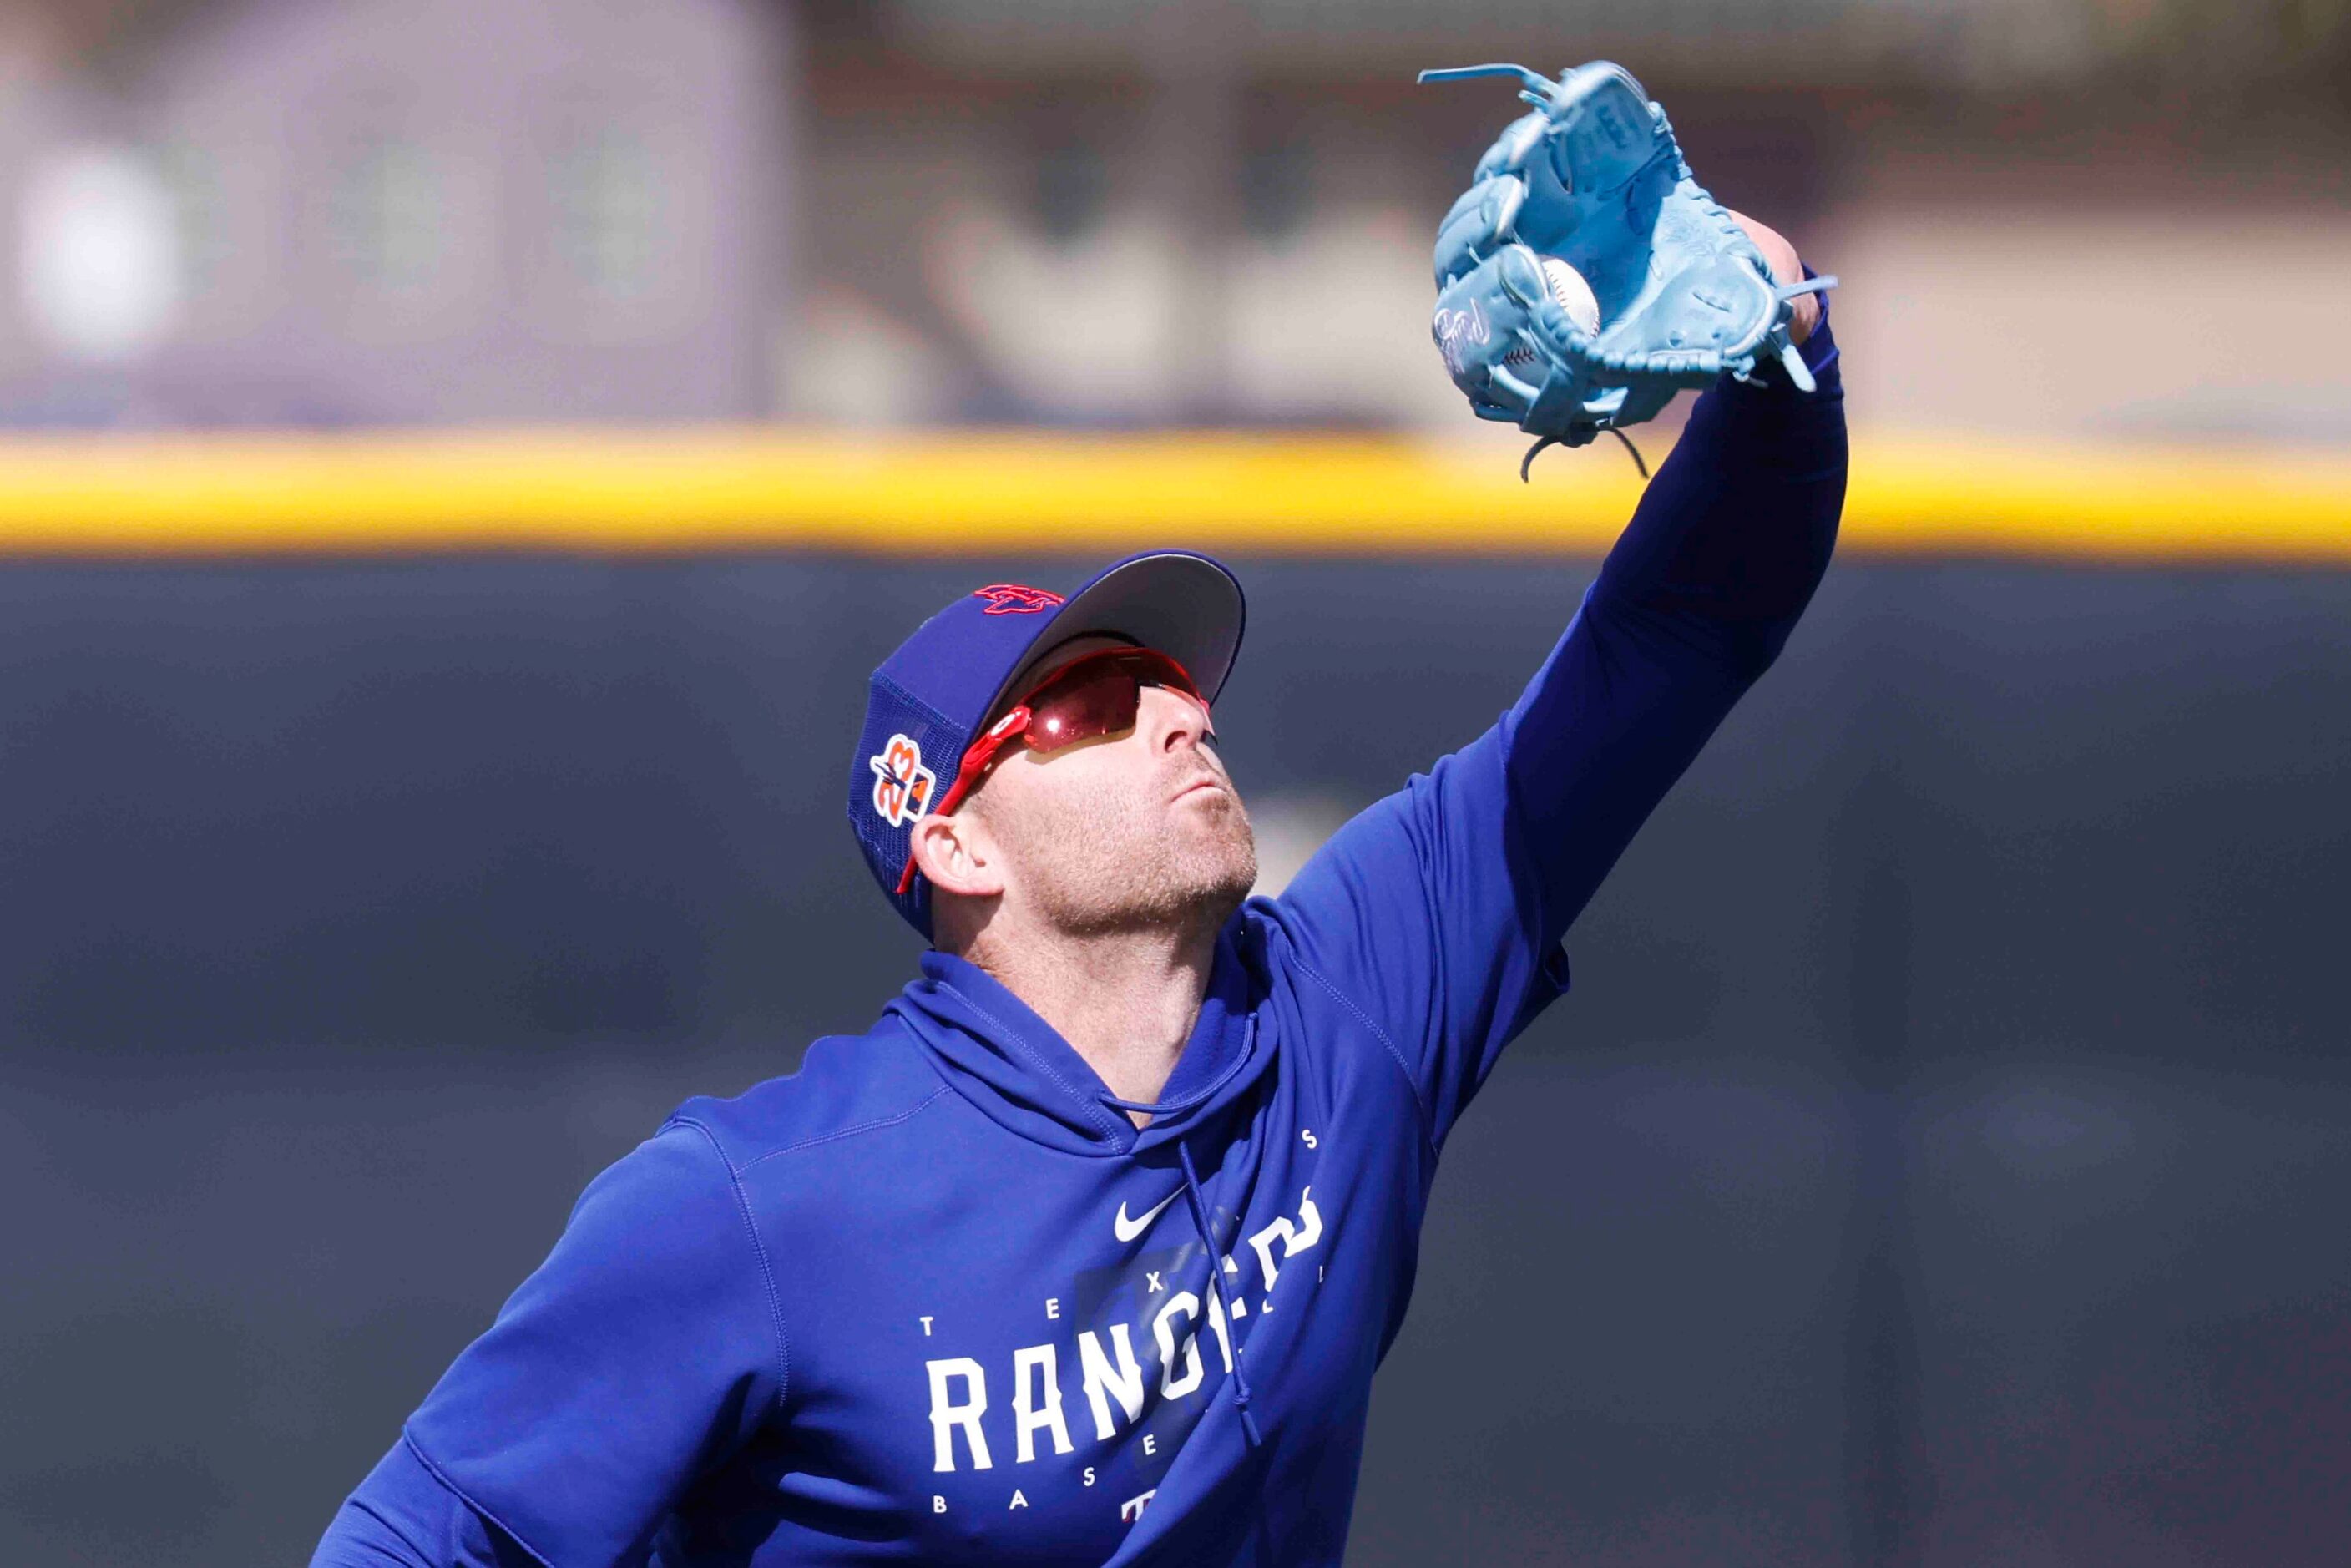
<point x="689" y="490"/>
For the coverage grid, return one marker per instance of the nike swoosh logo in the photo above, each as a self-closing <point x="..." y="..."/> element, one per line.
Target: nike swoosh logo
<point x="1128" y="1229"/>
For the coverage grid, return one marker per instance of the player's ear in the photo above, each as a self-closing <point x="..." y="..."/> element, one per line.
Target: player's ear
<point x="957" y="854"/>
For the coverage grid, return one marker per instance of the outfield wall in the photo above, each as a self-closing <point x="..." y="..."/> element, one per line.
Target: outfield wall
<point x="669" y="492"/>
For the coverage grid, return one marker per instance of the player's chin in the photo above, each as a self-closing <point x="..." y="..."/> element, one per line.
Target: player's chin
<point x="1228" y="861"/>
<point x="1211" y="816"/>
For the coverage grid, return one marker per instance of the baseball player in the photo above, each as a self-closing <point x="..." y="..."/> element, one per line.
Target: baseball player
<point x="1087" y="1250"/>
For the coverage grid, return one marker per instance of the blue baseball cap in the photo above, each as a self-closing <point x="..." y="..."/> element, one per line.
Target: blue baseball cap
<point x="932" y="698"/>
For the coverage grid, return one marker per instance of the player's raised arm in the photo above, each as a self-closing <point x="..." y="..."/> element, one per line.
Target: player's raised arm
<point x="1441" y="909"/>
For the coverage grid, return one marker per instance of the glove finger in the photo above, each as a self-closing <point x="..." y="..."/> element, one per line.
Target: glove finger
<point x="1480" y="219"/>
<point x="1600" y="136"/>
<point x="1602" y="132"/>
<point x="1475" y="326"/>
<point x="1518" y="142"/>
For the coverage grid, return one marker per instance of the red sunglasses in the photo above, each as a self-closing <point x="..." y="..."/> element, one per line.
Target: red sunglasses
<point x="1085" y="699"/>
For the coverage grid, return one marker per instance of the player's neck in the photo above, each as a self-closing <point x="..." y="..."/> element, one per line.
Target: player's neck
<point x="1125" y="1000"/>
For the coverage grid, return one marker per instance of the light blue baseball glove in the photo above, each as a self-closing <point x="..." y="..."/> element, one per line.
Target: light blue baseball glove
<point x="1678" y="294"/>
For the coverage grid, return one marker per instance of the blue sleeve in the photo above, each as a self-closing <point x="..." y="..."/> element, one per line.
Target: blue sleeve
<point x="1438" y="913"/>
<point x="644" y="1351"/>
<point x="403" y="1516"/>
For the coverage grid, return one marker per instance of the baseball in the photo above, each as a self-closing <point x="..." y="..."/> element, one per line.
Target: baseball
<point x="1573" y="295"/>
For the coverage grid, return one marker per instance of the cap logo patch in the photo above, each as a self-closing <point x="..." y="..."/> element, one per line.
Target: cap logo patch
<point x="902" y="785"/>
<point x="1012" y="599"/>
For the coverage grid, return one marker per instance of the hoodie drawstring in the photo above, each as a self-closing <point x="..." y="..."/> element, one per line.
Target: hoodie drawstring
<point x="1199" y="1208"/>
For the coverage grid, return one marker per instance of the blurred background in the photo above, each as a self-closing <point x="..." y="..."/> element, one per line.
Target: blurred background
<point x="458" y="464"/>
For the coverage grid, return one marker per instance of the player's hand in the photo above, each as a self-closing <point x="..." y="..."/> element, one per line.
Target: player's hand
<point x="1786" y="266"/>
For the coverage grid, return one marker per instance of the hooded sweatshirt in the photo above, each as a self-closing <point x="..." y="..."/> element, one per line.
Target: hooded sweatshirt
<point x="935" y="1298"/>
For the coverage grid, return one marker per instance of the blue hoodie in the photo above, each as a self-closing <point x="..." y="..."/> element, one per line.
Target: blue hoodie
<point x="935" y="1298"/>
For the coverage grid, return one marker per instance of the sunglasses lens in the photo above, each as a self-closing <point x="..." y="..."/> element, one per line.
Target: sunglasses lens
<point x="1100" y="703"/>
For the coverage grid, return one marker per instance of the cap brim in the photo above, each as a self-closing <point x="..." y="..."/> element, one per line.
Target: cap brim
<point x="1186" y="605"/>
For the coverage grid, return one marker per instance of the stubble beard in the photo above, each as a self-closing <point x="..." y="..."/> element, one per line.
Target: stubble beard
<point x="1118" y="865"/>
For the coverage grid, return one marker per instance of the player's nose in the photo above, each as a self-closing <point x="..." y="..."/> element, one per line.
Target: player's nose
<point x="1179" y="720"/>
